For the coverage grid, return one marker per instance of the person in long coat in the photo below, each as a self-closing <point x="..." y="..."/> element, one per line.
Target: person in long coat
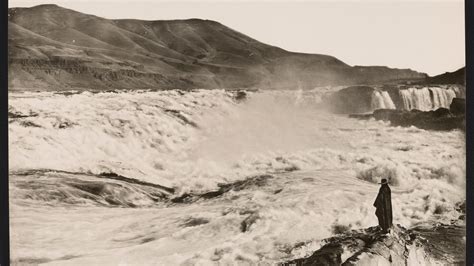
<point x="383" y="205"/>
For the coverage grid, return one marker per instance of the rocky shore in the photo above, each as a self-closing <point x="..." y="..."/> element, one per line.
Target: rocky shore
<point x="423" y="245"/>
<point x="440" y="119"/>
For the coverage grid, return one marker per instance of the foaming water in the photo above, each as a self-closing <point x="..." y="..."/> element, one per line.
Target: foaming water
<point x="428" y="98"/>
<point x="189" y="141"/>
<point x="382" y="100"/>
<point x="423" y="99"/>
<point x="192" y="141"/>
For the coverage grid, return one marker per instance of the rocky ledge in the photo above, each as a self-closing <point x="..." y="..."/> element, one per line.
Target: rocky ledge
<point x="428" y="245"/>
<point x="440" y="119"/>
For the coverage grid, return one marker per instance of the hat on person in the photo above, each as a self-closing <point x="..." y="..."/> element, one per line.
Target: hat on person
<point x="384" y="181"/>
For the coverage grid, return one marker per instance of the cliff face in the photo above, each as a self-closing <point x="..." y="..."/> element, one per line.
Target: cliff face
<point x="51" y="47"/>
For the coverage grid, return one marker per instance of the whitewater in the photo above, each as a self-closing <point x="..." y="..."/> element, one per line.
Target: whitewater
<point x="93" y="175"/>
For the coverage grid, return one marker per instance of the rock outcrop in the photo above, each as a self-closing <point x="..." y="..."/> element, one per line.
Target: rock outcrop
<point x="437" y="244"/>
<point x="441" y="119"/>
<point x="458" y="106"/>
<point x="354" y="99"/>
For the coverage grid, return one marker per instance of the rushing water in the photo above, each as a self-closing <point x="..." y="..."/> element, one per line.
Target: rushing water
<point x="428" y="98"/>
<point x="92" y="175"/>
<point x="382" y="100"/>
<point x="423" y="98"/>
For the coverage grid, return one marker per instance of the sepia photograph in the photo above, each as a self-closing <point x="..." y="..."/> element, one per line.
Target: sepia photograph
<point x="237" y="132"/>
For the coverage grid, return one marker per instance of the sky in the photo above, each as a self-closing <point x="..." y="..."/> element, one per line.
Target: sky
<point x="424" y="35"/>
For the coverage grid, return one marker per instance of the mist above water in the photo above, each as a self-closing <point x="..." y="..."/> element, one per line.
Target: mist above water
<point x="195" y="140"/>
<point x="268" y="122"/>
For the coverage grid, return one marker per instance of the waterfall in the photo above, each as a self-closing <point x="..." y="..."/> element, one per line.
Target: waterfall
<point x="381" y="100"/>
<point x="427" y="98"/>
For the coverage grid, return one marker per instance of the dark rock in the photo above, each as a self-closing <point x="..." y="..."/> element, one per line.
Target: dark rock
<point x="115" y="176"/>
<point x="254" y="181"/>
<point x="278" y="191"/>
<point x="458" y="106"/>
<point x="147" y="239"/>
<point x="339" y="229"/>
<point x="385" y="114"/>
<point x="240" y="96"/>
<point x="461" y="207"/>
<point x="441" y="112"/>
<point x="329" y="255"/>
<point x="190" y="222"/>
<point x="179" y="115"/>
<point x="247" y="222"/>
<point x="402" y="246"/>
<point x="29" y="124"/>
<point x="361" y="116"/>
<point x="13" y="114"/>
<point x="440" y="119"/>
<point x="69" y="188"/>
<point x="443" y="242"/>
<point x="184" y="198"/>
<point x="64" y="124"/>
<point x="355" y="99"/>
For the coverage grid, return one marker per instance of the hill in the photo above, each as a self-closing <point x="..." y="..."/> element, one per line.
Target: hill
<point x="51" y="47"/>
<point x="456" y="77"/>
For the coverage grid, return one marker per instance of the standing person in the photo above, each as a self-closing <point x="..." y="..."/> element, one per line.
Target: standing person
<point x="383" y="205"/>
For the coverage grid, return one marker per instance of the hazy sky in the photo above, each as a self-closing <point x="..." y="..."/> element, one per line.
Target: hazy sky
<point x="423" y="35"/>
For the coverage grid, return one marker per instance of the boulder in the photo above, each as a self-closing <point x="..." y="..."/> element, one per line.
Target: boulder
<point x="458" y="106"/>
<point x="355" y="99"/>
<point x="441" y="112"/>
<point x="240" y="96"/>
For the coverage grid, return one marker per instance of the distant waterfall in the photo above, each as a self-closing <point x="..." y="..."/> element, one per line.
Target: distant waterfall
<point x="426" y="99"/>
<point x="381" y="100"/>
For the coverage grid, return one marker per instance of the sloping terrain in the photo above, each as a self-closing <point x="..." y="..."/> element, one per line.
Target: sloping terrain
<point x="51" y="47"/>
<point x="456" y="77"/>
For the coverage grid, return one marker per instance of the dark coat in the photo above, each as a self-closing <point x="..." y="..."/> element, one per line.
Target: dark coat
<point x="383" y="203"/>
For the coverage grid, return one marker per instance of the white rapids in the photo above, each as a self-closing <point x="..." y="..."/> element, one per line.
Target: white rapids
<point x="428" y="98"/>
<point x="381" y="100"/>
<point x="323" y="168"/>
